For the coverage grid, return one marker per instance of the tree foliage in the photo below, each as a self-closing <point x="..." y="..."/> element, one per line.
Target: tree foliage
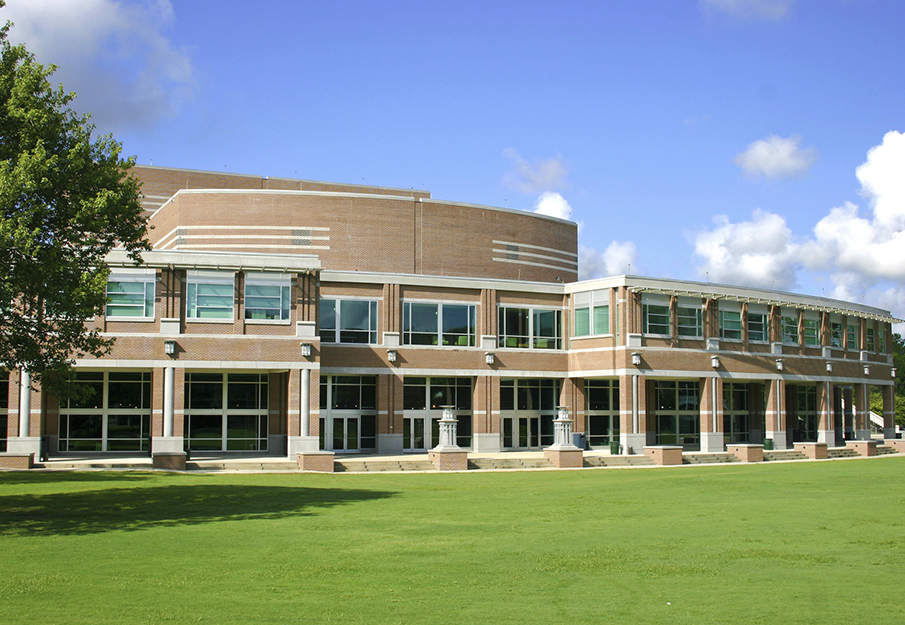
<point x="66" y="200"/>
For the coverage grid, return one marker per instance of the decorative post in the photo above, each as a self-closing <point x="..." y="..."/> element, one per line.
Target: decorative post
<point x="562" y="453"/>
<point x="448" y="456"/>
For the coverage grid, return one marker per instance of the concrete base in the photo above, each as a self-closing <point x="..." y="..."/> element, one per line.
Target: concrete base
<point x="896" y="443"/>
<point x="564" y="458"/>
<point x="24" y="445"/>
<point x="779" y="440"/>
<point x="276" y="445"/>
<point x="746" y="452"/>
<point x="633" y="443"/>
<point x="712" y="442"/>
<point x="664" y="455"/>
<point x="864" y="448"/>
<point x="889" y="433"/>
<point x="169" y="461"/>
<point x="16" y="461"/>
<point x="862" y="435"/>
<point x="321" y="461"/>
<point x="389" y="444"/>
<point x="487" y="443"/>
<point x="814" y="451"/>
<point x="827" y="436"/>
<point x="301" y="444"/>
<point x="167" y="445"/>
<point x="448" y="459"/>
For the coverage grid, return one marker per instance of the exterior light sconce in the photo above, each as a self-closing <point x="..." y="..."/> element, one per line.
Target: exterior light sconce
<point x="893" y="372"/>
<point x="392" y="354"/>
<point x="489" y="358"/>
<point x="779" y="364"/>
<point x="829" y="366"/>
<point x="866" y="370"/>
<point x="306" y="349"/>
<point x="715" y="362"/>
<point x="169" y="347"/>
<point x="636" y="359"/>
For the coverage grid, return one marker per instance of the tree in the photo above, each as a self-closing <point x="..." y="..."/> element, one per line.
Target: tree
<point x="66" y="200"/>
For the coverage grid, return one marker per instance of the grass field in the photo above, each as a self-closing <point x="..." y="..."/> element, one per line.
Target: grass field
<point x="784" y="543"/>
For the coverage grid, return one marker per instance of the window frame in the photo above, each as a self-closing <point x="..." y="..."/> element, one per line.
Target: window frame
<point x="194" y="279"/>
<point x="339" y="331"/>
<point x="789" y="332"/>
<point x="663" y="311"/>
<point x="725" y="310"/>
<point x="282" y="281"/>
<point x="441" y="337"/>
<point x="587" y="305"/>
<point x="694" y="329"/>
<point x="128" y="275"/>
<point x="529" y="324"/>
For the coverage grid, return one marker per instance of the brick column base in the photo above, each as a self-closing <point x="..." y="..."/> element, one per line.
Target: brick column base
<point x="864" y="448"/>
<point x="746" y="452"/>
<point x="321" y="461"/>
<point x="814" y="451"/>
<point x="449" y="460"/>
<point x="565" y="458"/>
<point x="16" y="461"/>
<point x="169" y="461"/>
<point x="896" y="443"/>
<point x="664" y="455"/>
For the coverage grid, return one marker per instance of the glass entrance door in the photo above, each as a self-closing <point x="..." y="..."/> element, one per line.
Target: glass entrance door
<point x="420" y="433"/>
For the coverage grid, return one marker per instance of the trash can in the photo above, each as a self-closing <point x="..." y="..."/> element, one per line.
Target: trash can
<point x="768" y="444"/>
<point x="44" y="454"/>
<point x="614" y="447"/>
<point x="578" y="439"/>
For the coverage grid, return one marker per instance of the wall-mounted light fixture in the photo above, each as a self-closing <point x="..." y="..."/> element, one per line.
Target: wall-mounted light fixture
<point x="829" y="366"/>
<point x="169" y="347"/>
<point x="392" y="354"/>
<point x="306" y="349"/>
<point x="866" y="369"/>
<point x="489" y="358"/>
<point x="779" y="364"/>
<point x="893" y="372"/>
<point x="636" y="358"/>
<point x="715" y="362"/>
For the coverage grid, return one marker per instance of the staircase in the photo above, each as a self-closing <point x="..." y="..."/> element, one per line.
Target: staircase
<point x="842" y="452"/>
<point x="885" y="450"/>
<point x="708" y="458"/>
<point x="509" y="463"/>
<point x="380" y="466"/>
<point x="785" y="454"/>
<point x="618" y="461"/>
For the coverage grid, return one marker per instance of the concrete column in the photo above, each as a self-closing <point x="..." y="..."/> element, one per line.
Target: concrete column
<point x="305" y="405"/>
<point x="24" y="443"/>
<point x="776" y="413"/>
<point x="711" y="415"/>
<point x="826" y="433"/>
<point x="862" y="406"/>
<point x="632" y="413"/>
<point x="889" y="412"/>
<point x="299" y="402"/>
<point x="169" y="375"/>
<point x="169" y="443"/>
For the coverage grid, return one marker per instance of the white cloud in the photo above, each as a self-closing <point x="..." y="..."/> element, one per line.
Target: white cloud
<point x="535" y="177"/>
<point x="552" y="204"/>
<point x="617" y="259"/>
<point x="751" y="9"/>
<point x="114" y="54"/>
<point x="776" y="158"/>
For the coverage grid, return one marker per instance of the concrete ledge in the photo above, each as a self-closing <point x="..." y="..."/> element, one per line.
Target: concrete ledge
<point x="169" y="460"/>
<point x="746" y="452"/>
<point x="449" y="460"/>
<point x="315" y="461"/>
<point x="565" y="458"/>
<point x="864" y="448"/>
<point x="16" y="461"/>
<point x="814" y="451"/>
<point x="664" y="455"/>
<point x="896" y="443"/>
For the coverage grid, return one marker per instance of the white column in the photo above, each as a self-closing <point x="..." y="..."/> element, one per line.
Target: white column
<point x="305" y="408"/>
<point x="169" y="398"/>
<point x="24" y="404"/>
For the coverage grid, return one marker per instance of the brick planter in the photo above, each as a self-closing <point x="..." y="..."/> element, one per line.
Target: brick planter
<point x="565" y="458"/>
<point x="664" y="455"/>
<point x="449" y="460"/>
<point x="864" y="448"/>
<point x="169" y="461"/>
<point x="814" y="451"/>
<point x="746" y="452"/>
<point x="315" y="461"/>
<point x="16" y="461"/>
<point x="896" y="443"/>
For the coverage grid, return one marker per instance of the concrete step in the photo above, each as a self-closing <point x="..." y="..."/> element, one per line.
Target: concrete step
<point x="842" y="453"/>
<point x="381" y="466"/>
<point x="618" y="461"/>
<point x="509" y="463"/>
<point x="783" y="454"/>
<point x="708" y="458"/>
<point x="885" y="450"/>
<point x="227" y="465"/>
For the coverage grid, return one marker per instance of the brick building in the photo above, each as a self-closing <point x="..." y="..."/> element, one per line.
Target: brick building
<point x="278" y="316"/>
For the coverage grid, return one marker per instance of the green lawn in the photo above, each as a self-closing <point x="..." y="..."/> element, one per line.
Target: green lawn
<point x="784" y="543"/>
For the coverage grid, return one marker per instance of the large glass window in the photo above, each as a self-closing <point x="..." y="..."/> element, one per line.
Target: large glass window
<point x="871" y="343"/>
<point x="348" y="321"/>
<point x="112" y="414"/>
<point x="678" y="418"/>
<point x="736" y="413"/>
<point x="226" y="411"/>
<point x="528" y="408"/>
<point x="210" y="294"/>
<point x="730" y="321"/>
<point x="757" y="323"/>
<point x="423" y="402"/>
<point x="803" y="416"/>
<point x="267" y="296"/>
<point x="592" y="313"/>
<point x="348" y="407"/>
<point x="789" y="326"/>
<point x="811" y="326"/>
<point x="851" y="336"/>
<point x="438" y="324"/>
<point x="527" y="327"/>
<point x="602" y="411"/>
<point x="837" y="331"/>
<point x="655" y="314"/>
<point x="130" y="293"/>
<point x="690" y="317"/>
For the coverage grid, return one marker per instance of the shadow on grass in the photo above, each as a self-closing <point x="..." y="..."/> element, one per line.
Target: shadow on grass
<point x="60" y="477"/>
<point x="138" y="508"/>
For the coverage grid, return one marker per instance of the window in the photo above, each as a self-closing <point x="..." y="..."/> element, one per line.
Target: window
<point x="348" y="321"/>
<point x="655" y="314"/>
<point x="423" y="402"/>
<point x="130" y="293"/>
<point x="226" y="411"/>
<point x="730" y="321"/>
<point x="602" y="410"/>
<point x="348" y="415"/>
<point x="789" y="324"/>
<point x="678" y="417"/>
<point x="528" y="407"/>
<point x="811" y="327"/>
<point x="851" y="336"/>
<point x="210" y="294"/>
<point x="837" y="331"/>
<point x="871" y="343"/>
<point x="690" y="317"/>
<point x="804" y="418"/>
<point x="267" y="296"/>
<point x="527" y="327"/>
<point x="882" y="335"/>
<point x="438" y="324"/>
<point x="757" y="323"/>
<point x="592" y="313"/>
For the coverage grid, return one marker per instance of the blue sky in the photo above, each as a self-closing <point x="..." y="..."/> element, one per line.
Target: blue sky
<point x="737" y="141"/>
